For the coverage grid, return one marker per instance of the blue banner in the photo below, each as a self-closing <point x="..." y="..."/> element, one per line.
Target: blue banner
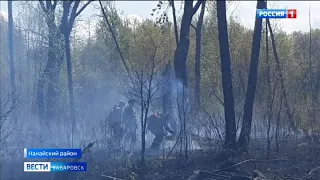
<point x="271" y="13"/>
<point x="55" y="166"/>
<point x="52" y="153"/>
<point x="68" y="166"/>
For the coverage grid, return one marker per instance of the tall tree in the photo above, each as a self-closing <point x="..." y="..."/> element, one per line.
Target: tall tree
<point x="230" y="124"/>
<point x="59" y="43"/>
<point x="174" y="21"/>
<point x="180" y="67"/>
<point x="287" y="106"/>
<point x="11" y="59"/>
<point x="311" y="77"/>
<point x="198" y="53"/>
<point x="270" y="95"/>
<point x="70" y="12"/>
<point x="47" y="101"/>
<point x="252" y="82"/>
<point x="181" y="53"/>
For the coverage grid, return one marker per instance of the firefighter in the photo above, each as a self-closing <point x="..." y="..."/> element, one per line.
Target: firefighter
<point x="158" y="126"/>
<point x="114" y="119"/>
<point x="130" y="124"/>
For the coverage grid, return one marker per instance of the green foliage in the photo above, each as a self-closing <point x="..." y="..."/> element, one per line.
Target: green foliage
<point x="97" y="67"/>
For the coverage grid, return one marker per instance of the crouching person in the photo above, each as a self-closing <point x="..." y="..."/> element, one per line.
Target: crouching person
<point x="157" y="124"/>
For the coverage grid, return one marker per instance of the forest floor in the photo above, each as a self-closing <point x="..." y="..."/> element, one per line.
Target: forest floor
<point x="295" y="160"/>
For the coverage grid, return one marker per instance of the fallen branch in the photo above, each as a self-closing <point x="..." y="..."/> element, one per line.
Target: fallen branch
<point x="310" y="172"/>
<point x="64" y="176"/>
<point x="175" y="144"/>
<point x="280" y="175"/>
<point x="110" y="177"/>
<point x="245" y="161"/>
<point x="288" y="178"/>
<point x="86" y="149"/>
<point x="197" y="174"/>
<point x="237" y="164"/>
<point x="214" y="174"/>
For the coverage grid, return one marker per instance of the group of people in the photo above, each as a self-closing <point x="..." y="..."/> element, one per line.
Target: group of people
<point x="123" y="125"/>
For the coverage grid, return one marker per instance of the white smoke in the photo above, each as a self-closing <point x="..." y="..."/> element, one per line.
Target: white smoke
<point x="4" y="14"/>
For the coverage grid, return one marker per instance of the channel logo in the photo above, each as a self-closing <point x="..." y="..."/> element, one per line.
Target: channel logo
<point x="55" y="166"/>
<point x="277" y="13"/>
<point x="37" y="167"/>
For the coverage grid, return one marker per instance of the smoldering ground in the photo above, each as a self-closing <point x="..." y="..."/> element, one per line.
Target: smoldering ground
<point x="207" y="134"/>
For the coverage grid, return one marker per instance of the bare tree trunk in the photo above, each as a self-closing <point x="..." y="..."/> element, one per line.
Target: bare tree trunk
<point x="53" y="81"/>
<point x="70" y="82"/>
<point x="28" y="78"/>
<point x="145" y="106"/>
<point x="252" y="83"/>
<point x="180" y="59"/>
<point x="66" y="28"/>
<point x="175" y="22"/>
<point x="181" y="53"/>
<point x="180" y="64"/>
<point x="70" y="12"/>
<point x="284" y="93"/>
<point x="116" y="42"/>
<point x="278" y="125"/>
<point x="198" y="53"/>
<point x="269" y="105"/>
<point x="11" y="58"/>
<point x="143" y="120"/>
<point x="230" y="124"/>
<point x="270" y="94"/>
<point x="47" y="101"/>
<point x="55" y="59"/>
<point x="311" y="78"/>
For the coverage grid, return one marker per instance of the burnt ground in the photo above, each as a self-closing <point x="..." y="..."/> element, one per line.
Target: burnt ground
<point x="295" y="160"/>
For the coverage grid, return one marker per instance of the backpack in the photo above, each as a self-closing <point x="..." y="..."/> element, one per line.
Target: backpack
<point x="129" y="118"/>
<point x="112" y="117"/>
<point x="155" y="124"/>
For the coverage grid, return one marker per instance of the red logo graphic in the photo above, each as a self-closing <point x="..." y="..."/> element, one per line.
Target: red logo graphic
<point x="291" y="13"/>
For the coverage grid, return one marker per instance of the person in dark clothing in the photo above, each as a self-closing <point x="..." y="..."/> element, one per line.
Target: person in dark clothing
<point x="130" y="124"/>
<point x="114" y="119"/>
<point x="158" y="125"/>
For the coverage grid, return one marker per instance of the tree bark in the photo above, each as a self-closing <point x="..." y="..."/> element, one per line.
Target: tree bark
<point x="66" y="28"/>
<point x="70" y="81"/>
<point x="230" y="125"/>
<point x="52" y="73"/>
<point x="175" y="22"/>
<point x="284" y="93"/>
<point x="47" y="101"/>
<point x="181" y="53"/>
<point x="270" y="94"/>
<point x="70" y="12"/>
<point x="180" y="65"/>
<point x="252" y="82"/>
<point x="198" y="54"/>
<point x="11" y="59"/>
